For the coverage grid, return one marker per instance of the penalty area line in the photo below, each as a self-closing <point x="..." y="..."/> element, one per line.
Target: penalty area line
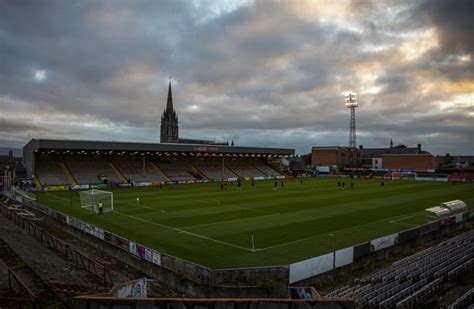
<point x="219" y="203"/>
<point x="140" y="205"/>
<point x="185" y="232"/>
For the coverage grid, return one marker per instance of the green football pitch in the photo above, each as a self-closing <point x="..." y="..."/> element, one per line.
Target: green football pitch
<point x="209" y="226"/>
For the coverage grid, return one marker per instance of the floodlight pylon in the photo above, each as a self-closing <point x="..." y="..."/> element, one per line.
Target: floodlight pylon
<point x="351" y="103"/>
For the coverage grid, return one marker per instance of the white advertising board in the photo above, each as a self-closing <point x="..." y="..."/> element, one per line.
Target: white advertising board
<point x="311" y="267"/>
<point x="383" y="242"/>
<point x="344" y="257"/>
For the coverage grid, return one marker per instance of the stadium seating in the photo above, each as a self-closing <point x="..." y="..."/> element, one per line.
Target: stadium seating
<point x="465" y="300"/>
<point x="242" y="168"/>
<point x="132" y="169"/>
<point x="50" y="173"/>
<point x="414" y="279"/>
<point x="265" y="168"/>
<point x="90" y="169"/>
<point x="212" y="168"/>
<point x="176" y="170"/>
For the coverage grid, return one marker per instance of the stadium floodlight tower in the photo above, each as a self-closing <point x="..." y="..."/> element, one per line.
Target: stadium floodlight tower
<point x="351" y="103"/>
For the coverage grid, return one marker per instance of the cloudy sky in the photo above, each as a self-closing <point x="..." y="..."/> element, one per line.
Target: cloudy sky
<point x="263" y="73"/>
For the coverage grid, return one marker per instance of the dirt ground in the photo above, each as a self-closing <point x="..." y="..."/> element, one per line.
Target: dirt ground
<point x="48" y="265"/>
<point x="3" y="276"/>
<point x="53" y="268"/>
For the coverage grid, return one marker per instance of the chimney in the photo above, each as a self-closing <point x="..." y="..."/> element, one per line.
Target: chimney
<point x="419" y="148"/>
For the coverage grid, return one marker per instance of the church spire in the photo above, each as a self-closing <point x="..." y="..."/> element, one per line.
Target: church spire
<point x="169" y="103"/>
<point x="169" y="121"/>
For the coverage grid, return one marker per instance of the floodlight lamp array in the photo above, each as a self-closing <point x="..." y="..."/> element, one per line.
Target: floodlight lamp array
<point x="351" y="100"/>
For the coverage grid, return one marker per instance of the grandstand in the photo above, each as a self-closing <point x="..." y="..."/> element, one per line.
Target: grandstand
<point x="64" y="162"/>
<point x="206" y="233"/>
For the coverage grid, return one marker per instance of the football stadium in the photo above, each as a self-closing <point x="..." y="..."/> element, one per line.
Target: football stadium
<point x="220" y="216"/>
<point x="212" y="219"/>
<point x="267" y="191"/>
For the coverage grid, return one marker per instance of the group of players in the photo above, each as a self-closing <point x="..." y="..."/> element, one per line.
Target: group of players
<point x="340" y="184"/>
<point x="343" y="184"/>
<point x="239" y="184"/>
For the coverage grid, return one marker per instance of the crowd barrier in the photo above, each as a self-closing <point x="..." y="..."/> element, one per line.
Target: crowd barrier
<point x="63" y="249"/>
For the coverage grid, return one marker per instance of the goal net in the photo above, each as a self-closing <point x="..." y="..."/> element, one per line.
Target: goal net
<point x="91" y="198"/>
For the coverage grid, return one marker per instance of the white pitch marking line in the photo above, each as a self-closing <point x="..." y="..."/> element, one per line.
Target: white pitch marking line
<point x="237" y="207"/>
<point x="228" y="221"/>
<point x="406" y="217"/>
<point x="405" y="224"/>
<point x="140" y="205"/>
<point x="403" y="218"/>
<point x="116" y="201"/>
<point x="329" y="234"/>
<point x="185" y="232"/>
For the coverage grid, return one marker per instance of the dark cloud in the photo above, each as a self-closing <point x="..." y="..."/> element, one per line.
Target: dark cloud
<point x="454" y="23"/>
<point x="262" y="74"/>
<point x="453" y="20"/>
<point x="21" y="126"/>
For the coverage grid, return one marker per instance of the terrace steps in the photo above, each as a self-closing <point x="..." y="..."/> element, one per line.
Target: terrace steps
<point x="256" y="167"/>
<point x="118" y="172"/>
<point x="197" y="170"/>
<point x="232" y="171"/>
<point x="158" y="168"/>
<point x="37" y="181"/>
<point x="67" y="173"/>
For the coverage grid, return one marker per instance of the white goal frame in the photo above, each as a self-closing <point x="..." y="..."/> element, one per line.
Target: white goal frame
<point x="91" y="198"/>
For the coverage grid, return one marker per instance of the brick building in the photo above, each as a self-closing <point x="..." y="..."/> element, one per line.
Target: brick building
<point x="336" y="156"/>
<point x="398" y="157"/>
<point x="419" y="162"/>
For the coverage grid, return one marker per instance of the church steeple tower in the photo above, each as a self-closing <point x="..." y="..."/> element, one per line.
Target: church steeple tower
<point x="169" y="103"/>
<point x="169" y="121"/>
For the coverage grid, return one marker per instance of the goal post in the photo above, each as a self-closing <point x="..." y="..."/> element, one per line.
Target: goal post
<point x="90" y="199"/>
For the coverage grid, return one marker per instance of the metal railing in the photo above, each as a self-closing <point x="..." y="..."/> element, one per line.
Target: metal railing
<point x="62" y="248"/>
<point x="23" y="289"/>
